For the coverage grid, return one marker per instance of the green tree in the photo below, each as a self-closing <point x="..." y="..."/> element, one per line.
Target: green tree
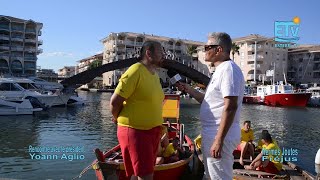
<point x="234" y="49"/>
<point x="95" y="63"/>
<point x="191" y="49"/>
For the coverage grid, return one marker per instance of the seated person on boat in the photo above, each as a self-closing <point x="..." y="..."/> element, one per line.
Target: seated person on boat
<point x="260" y="144"/>
<point x="170" y="152"/>
<point x="246" y="144"/>
<point x="269" y="158"/>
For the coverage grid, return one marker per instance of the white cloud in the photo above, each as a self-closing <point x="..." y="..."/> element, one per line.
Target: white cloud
<point x="56" y="54"/>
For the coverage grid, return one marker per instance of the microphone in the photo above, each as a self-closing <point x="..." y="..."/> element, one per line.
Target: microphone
<point x="175" y="79"/>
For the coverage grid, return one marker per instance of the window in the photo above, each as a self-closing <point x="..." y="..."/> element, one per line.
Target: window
<point x="5" y="87"/>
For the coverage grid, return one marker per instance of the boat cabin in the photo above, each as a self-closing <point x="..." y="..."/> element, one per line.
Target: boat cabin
<point x="274" y="89"/>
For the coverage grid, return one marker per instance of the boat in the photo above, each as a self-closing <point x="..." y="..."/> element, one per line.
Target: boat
<point x="11" y="91"/>
<point x="110" y="164"/>
<point x="54" y="87"/>
<point x="289" y="169"/>
<point x="282" y="95"/>
<point x="315" y="97"/>
<point x="28" y="84"/>
<point x="18" y="107"/>
<point x="250" y="96"/>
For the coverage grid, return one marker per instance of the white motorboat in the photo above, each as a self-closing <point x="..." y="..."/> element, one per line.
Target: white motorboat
<point x="53" y="87"/>
<point x="315" y="97"/>
<point x="11" y="91"/>
<point x="28" y="84"/>
<point x="18" y="107"/>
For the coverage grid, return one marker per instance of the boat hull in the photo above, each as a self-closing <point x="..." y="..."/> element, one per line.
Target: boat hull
<point x="172" y="171"/>
<point x="252" y="100"/>
<point x="287" y="99"/>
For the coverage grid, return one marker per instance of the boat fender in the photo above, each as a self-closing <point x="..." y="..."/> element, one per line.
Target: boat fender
<point x="317" y="164"/>
<point x="317" y="159"/>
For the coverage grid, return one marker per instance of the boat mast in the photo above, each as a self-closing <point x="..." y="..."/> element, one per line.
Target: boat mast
<point x="274" y="71"/>
<point x="255" y="61"/>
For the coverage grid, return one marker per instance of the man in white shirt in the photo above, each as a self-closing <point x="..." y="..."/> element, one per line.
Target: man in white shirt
<point x="220" y="108"/>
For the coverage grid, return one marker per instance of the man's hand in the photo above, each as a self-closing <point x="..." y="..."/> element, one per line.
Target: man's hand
<point x="183" y="87"/>
<point x="114" y="120"/>
<point x="216" y="148"/>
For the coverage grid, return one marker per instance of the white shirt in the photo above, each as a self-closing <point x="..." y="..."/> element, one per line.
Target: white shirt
<point x="227" y="80"/>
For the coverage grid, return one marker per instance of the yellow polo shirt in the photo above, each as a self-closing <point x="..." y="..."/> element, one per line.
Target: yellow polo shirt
<point x="144" y="96"/>
<point x="260" y="144"/>
<point x="169" y="151"/>
<point x="274" y="153"/>
<point x="247" y="136"/>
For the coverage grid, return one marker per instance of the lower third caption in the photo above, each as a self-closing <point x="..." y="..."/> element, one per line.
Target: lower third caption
<point x="68" y="153"/>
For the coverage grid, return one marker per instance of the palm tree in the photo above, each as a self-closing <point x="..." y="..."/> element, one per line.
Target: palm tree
<point x="234" y="49"/>
<point x="192" y="49"/>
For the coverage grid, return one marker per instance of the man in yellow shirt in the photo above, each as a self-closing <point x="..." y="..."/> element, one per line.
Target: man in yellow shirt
<point x="136" y="106"/>
<point x="246" y="144"/>
<point x="269" y="160"/>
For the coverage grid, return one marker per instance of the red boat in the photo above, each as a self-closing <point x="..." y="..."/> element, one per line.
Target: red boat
<point x="109" y="165"/>
<point x="282" y="95"/>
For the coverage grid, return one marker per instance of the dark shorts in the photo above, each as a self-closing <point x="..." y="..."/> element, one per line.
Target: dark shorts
<point x="270" y="168"/>
<point x="139" y="149"/>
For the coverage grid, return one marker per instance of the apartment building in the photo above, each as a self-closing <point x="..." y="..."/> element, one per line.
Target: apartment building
<point x="124" y="45"/>
<point x="269" y="58"/>
<point x="304" y="64"/>
<point x="47" y="74"/>
<point x="84" y="64"/>
<point x="66" y="71"/>
<point x="19" y="46"/>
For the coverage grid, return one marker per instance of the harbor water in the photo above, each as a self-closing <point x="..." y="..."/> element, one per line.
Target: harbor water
<point x="69" y="135"/>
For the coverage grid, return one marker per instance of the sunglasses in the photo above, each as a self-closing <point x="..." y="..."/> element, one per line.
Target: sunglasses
<point x="208" y="47"/>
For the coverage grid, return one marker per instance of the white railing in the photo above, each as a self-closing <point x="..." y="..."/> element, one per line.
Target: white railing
<point x="139" y="43"/>
<point x="30" y="40"/>
<point x="17" y="38"/>
<point x="4" y="47"/>
<point x="4" y="37"/>
<point x="130" y="42"/>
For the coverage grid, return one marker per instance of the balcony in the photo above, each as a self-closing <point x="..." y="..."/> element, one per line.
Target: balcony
<point x="30" y="40"/>
<point x="17" y="29"/>
<point x="121" y="57"/>
<point x="20" y="58"/>
<point x="121" y="49"/>
<point x="252" y="66"/>
<point x="31" y="58"/>
<point x="316" y="69"/>
<point x="251" y="47"/>
<point x="30" y="49"/>
<point x="178" y="48"/>
<point x="4" y="56"/>
<point x="39" y="51"/>
<point x="4" y="27"/>
<point x="17" y="38"/>
<point x="120" y="42"/>
<point x="139" y="43"/>
<point x="316" y="59"/>
<point x="251" y="57"/>
<point x="30" y="31"/>
<point x="4" y="37"/>
<point x="130" y="43"/>
<point x="29" y="66"/>
<point x="170" y="46"/>
<point x="17" y="48"/>
<point x="40" y="42"/>
<point x="4" y="47"/>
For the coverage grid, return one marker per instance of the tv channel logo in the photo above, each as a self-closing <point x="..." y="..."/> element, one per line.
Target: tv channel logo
<point x="286" y="32"/>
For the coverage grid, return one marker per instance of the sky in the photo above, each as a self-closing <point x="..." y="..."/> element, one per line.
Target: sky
<point x="72" y="29"/>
